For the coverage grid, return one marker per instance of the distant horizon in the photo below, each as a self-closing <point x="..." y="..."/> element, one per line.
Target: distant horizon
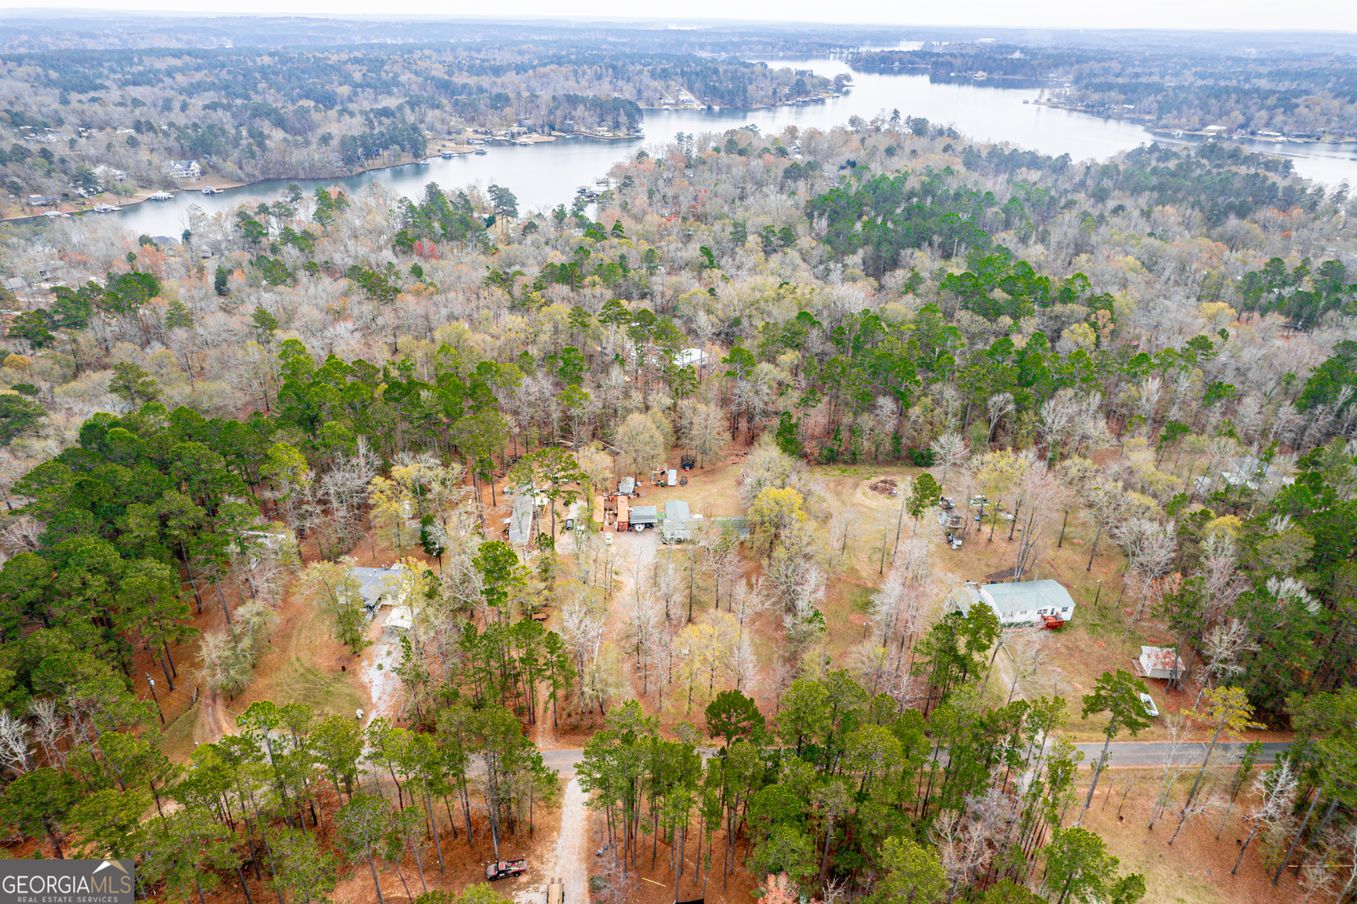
<point x="1040" y="15"/>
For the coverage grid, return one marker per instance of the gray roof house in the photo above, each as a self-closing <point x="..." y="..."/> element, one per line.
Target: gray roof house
<point x="1247" y="471"/>
<point x="380" y="586"/>
<point x="679" y="523"/>
<point x="1017" y="603"/>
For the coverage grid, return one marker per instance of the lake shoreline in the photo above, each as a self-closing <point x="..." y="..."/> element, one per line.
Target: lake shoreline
<point x="143" y="196"/>
<point x="139" y="197"/>
<point x="542" y="180"/>
<point x="1174" y="133"/>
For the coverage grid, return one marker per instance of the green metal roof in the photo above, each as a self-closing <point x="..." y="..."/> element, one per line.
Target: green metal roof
<point x="1022" y="596"/>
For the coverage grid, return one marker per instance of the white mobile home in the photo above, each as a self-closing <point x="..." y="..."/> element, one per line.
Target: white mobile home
<point x="1018" y="603"/>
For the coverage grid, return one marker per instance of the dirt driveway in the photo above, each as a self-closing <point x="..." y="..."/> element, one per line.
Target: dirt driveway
<point x="568" y="861"/>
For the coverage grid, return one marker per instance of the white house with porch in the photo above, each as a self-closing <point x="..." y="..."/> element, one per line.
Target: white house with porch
<point x="183" y="169"/>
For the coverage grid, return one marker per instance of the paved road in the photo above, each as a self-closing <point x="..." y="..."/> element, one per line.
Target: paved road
<point x="1121" y="753"/>
<point x="1156" y="753"/>
<point x="563" y="759"/>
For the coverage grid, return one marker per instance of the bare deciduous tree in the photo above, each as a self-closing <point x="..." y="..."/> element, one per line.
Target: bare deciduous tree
<point x="1276" y="790"/>
<point x="1223" y="650"/>
<point x="949" y="451"/>
<point x="997" y="406"/>
<point x="14" y="749"/>
<point x="1043" y="497"/>
<point x="1150" y="546"/>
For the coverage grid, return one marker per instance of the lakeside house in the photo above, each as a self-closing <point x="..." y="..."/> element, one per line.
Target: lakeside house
<point x="183" y="169"/>
<point x="1017" y="603"/>
<point x="106" y="176"/>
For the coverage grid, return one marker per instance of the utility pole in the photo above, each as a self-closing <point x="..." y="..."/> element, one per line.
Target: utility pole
<point x="150" y="682"/>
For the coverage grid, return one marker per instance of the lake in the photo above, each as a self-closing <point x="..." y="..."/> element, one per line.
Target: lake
<point x="545" y="175"/>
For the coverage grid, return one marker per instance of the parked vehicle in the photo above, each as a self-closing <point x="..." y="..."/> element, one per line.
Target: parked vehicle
<point x="1150" y="709"/>
<point x="556" y="892"/>
<point x="505" y="869"/>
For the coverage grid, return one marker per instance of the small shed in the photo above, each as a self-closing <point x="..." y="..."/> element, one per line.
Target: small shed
<point x="1159" y="662"/>
<point x="270" y="538"/>
<point x="520" y="521"/>
<point x="626" y="486"/>
<point x="641" y="517"/>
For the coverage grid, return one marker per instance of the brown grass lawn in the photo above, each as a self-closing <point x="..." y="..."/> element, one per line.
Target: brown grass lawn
<point x="1196" y="869"/>
<point x="653" y="882"/>
<point x="302" y="663"/>
<point x="465" y="865"/>
<point x="1101" y="637"/>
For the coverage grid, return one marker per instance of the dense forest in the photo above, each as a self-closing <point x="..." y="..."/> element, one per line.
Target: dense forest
<point x="1156" y="351"/>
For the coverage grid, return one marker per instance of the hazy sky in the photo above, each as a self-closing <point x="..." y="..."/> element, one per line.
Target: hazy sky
<point x="1326" y="15"/>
